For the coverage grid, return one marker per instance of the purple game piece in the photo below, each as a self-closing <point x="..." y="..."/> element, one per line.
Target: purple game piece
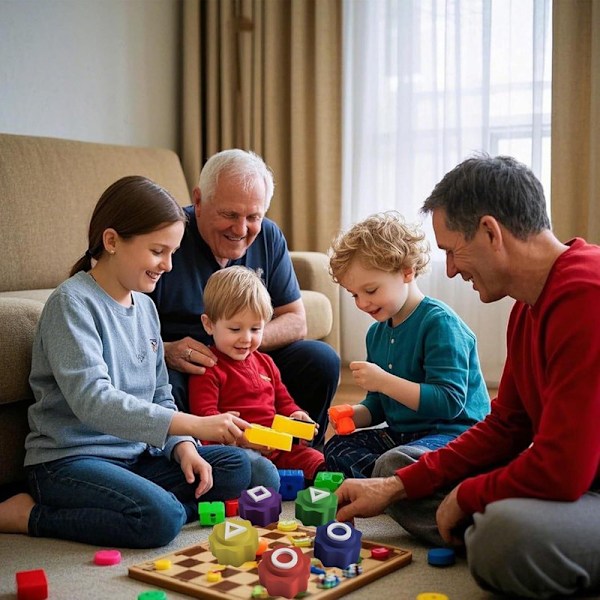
<point x="337" y="544"/>
<point x="260" y="505"/>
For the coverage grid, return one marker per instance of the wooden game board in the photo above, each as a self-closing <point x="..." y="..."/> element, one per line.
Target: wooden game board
<point x="187" y="574"/>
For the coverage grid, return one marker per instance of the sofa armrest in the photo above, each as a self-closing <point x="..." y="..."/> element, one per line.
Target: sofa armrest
<point x="18" y="322"/>
<point x="312" y="271"/>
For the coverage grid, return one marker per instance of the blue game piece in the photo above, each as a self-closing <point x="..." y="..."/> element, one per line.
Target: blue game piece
<point x="291" y="481"/>
<point x="441" y="557"/>
<point x="337" y="544"/>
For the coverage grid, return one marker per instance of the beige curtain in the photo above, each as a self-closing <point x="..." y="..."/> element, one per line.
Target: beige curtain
<point x="576" y="119"/>
<point x="265" y="75"/>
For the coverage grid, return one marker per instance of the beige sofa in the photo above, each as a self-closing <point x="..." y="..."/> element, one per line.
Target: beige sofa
<point x="48" y="188"/>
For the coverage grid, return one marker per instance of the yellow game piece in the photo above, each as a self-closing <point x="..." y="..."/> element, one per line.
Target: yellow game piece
<point x="162" y="564"/>
<point x="214" y="576"/>
<point x="300" y="429"/>
<point x="265" y="436"/>
<point x="287" y="525"/>
<point x="432" y="596"/>
<point x="233" y="542"/>
<point x="300" y="541"/>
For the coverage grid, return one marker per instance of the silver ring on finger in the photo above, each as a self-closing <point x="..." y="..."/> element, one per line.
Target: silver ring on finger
<point x="189" y="354"/>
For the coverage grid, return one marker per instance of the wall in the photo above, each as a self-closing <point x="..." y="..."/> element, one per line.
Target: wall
<point x="93" y="70"/>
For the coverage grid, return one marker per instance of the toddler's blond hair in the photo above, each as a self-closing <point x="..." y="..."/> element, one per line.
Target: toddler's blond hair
<point x="382" y="241"/>
<point x="233" y="290"/>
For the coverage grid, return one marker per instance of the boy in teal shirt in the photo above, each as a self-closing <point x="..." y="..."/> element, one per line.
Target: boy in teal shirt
<point x="422" y="375"/>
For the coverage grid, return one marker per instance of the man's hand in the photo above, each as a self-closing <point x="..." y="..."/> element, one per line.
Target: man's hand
<point x="192" y="465"/>
<point x="367" y="497"/>
<point x="367" y="375"/>
<point x="189" y="356"/>
<point x="450" y="519"/>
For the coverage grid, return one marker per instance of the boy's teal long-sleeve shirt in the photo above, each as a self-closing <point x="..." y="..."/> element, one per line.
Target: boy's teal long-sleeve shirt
<point x="435" y="348"/>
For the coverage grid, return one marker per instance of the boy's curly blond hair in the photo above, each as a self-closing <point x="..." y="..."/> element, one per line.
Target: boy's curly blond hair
<point x="234" y="289"/>
<point x="383" y="241"/>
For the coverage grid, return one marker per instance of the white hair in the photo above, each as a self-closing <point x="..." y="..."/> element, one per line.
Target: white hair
<point x="245" y="166"/>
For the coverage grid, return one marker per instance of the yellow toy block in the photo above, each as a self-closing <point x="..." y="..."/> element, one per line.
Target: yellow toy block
<point x="299" y="429"/>
<point x="265" y="436"/>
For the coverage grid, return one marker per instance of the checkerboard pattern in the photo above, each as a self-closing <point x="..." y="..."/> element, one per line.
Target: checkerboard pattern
<point x="187" y="574"/>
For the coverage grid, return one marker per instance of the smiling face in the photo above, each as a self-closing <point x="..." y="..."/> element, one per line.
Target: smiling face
<point x="473" y="260"/>
<point x="230" y="221"/>
<point x="238" y="336"/>
<point x="138" y="262"/>
<point x="380" y="294"/>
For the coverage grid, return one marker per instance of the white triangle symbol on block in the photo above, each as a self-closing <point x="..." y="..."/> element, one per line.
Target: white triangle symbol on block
<point x="316" y="494"/>
<point x="232" y="529"/>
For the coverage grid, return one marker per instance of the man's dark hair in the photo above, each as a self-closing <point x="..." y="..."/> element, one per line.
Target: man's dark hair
<point x="497" y="186"/>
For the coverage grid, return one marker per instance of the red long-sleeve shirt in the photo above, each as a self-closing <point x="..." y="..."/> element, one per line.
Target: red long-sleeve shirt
<point x="542" y="437"/>
<point x="252" y="386"/>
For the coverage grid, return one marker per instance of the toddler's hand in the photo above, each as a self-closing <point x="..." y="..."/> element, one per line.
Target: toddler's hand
<point x="300" y="415"/>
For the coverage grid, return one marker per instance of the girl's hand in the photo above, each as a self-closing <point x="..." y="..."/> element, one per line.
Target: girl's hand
<point x="226" y="428"/>
<point x="193" y="465"/>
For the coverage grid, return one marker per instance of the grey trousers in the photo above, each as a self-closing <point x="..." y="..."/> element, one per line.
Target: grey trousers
<point x="522" y="546"/>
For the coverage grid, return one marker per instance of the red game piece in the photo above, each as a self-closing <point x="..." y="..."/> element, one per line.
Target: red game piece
<point x="380" y="553"/>
<point x="32" y="585"/>
<point x="284" y="572"/>
<point x="231" y="508"/>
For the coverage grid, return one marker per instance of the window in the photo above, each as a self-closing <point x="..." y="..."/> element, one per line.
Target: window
<point x="426" y="84"/>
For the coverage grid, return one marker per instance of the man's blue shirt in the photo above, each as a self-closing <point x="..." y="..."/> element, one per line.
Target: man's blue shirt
<point x="179" y="294"/>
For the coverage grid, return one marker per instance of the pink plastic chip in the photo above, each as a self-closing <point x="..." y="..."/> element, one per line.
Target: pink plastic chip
<point x="107" y="557"/>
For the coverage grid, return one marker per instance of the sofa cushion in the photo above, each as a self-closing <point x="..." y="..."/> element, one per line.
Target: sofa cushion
<point x="18" y="320"/>
<point x="319" y="315"/>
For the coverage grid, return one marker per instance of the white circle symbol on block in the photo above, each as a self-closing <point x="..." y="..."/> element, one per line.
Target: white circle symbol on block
<point x="339" y="537"/>
<point x="284" y="565"/>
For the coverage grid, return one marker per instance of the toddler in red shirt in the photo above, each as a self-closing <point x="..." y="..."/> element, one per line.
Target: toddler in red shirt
<point x="245" y="381"/>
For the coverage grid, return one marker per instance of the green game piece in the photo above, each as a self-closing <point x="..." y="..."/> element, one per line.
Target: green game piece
<point x="328" y="480"/>
<point x="211" y="513"/>
<point x="315" y="506"/>
<point x="153" y="595"/>
<point x="233" y="542"/>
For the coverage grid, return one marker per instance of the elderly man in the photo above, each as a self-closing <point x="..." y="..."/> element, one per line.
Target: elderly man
<point x="520" y="489"/>
<point x="227" y="226"/>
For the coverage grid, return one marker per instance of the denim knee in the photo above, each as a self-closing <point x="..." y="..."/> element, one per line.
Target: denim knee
<point x="264" y="472"/>
<point x="160" y="522"/>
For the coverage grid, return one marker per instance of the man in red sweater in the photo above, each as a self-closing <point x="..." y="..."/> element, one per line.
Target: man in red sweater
<point x="520" y="489"/>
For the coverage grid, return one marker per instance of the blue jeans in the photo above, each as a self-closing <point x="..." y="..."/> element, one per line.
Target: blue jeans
<point x="139" y="503"/>
<point x="309" y="369"/>
<point x="355" y="455"/>
<point x="263" y="471"/>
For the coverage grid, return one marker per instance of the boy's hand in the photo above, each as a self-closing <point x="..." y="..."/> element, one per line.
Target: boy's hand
<point x="367" y="375"/>
<point x="300" y="415"/>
